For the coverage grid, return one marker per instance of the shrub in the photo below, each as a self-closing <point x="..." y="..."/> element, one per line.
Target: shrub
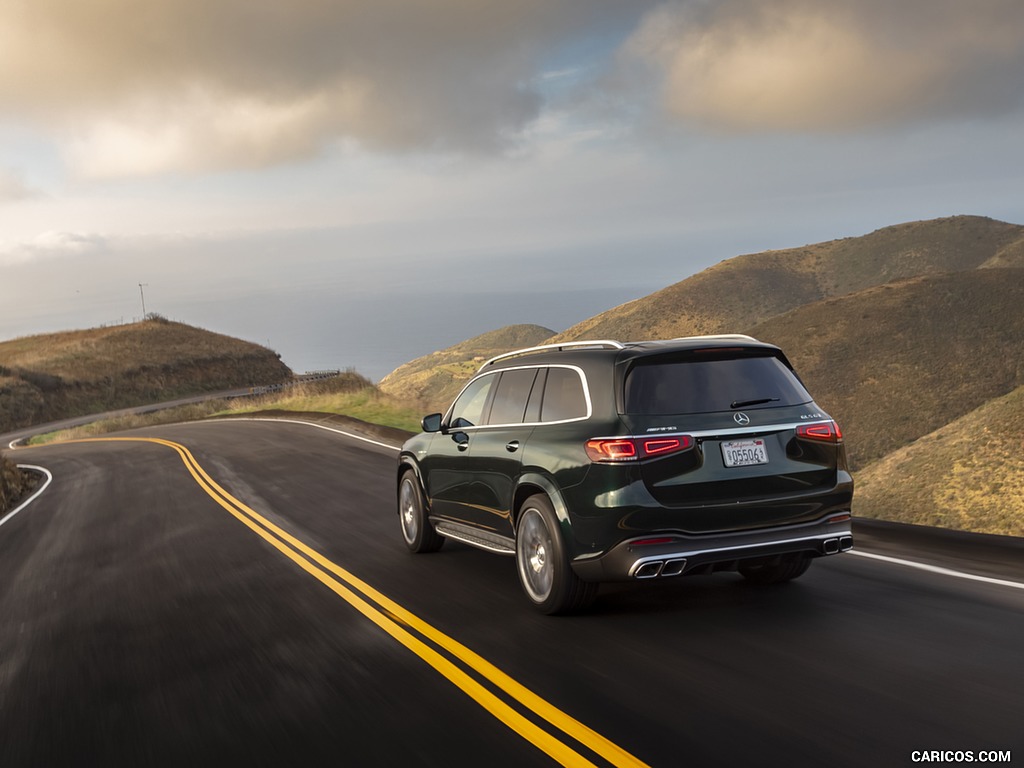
<point x="12" y="484"/>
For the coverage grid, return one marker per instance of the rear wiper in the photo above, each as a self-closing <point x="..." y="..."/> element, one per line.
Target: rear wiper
<point x="745" y="403"/>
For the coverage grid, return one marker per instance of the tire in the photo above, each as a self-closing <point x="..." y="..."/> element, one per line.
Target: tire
<point x="542" y="563"/>
<point x="417" y="532"/>
<point x="786" y="569"/>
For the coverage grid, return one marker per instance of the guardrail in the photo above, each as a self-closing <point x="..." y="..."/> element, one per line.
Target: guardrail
<point x="302" y="378"/>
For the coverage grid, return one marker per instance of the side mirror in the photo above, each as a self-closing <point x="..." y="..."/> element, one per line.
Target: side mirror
<point x="432" y="423"/>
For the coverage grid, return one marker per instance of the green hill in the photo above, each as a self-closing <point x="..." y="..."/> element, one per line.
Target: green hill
<point x="60" y="375"/>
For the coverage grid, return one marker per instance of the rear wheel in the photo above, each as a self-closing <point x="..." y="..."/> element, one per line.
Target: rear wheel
<point x="777" y="572"/>
<point x="542" y="562"/>
<point x="417" y="531"/>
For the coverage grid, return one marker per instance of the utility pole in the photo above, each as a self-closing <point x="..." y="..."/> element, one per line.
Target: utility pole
<point x="143" y="295"/>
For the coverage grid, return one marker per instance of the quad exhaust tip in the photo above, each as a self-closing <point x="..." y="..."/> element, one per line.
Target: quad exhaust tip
<point x="655" y="568"/>
<point x="834" y="546"/>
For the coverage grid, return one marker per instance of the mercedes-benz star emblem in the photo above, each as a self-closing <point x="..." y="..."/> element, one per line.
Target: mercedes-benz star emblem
<point x="741" y="418"/>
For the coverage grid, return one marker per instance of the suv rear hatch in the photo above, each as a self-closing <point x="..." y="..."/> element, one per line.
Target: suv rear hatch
<point x="755" y="450"/>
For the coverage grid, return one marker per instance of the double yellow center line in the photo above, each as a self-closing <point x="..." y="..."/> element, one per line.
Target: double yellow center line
<point x="400" y="624"/>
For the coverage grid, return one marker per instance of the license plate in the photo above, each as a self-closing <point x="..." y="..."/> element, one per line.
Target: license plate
<point x="744" y="453"/>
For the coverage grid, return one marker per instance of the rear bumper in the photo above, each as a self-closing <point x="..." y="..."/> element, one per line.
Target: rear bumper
<point x="682" y="555"/>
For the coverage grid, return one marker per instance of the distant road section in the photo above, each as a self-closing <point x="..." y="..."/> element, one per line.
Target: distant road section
<point x="11" y="438"/>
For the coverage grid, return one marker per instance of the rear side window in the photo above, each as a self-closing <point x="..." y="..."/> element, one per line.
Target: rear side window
<point x="563" y="396"/>
<point x="708" y="385"/>
<point x="511" y="396"/>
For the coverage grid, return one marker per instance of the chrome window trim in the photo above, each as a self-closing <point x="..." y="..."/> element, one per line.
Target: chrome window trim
<point x="579" y="371"/>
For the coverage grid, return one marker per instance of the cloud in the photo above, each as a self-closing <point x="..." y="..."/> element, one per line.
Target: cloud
<point x="831" y="65"/>
<point x="52" y="245"/>
<point x="137" y="88"/>
<point x="133" y="89"/>
<point x="13" y="187"/>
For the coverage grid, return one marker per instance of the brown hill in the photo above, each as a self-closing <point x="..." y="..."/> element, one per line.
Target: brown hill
<point x="896" y="362"/>
<point x="747" y="290"/>
<point x="435" y="379"/>
<point x="54" y="376"/>
<point x="968" y="475"/>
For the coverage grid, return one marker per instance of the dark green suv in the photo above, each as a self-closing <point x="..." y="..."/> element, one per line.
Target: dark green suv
<point x="602" y="461"/>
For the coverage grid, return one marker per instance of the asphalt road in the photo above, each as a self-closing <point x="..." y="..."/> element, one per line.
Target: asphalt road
<point x="249" y="600"/>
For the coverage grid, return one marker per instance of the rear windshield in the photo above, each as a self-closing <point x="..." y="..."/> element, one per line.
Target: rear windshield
<point x="708" y="385"/>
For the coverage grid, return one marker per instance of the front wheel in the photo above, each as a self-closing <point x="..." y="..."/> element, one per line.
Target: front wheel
<point x="418" y="533"/>
<point x="542" y="562"/>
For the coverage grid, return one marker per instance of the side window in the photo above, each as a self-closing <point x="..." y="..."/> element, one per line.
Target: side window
<point x="468" y="410"/>
<point x="563" y="396"/>
<point x="511" y="396"/>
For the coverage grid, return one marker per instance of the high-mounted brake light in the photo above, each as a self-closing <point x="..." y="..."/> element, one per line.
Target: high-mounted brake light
<point x="824" y="430"/>
<point x="617" y="449"/>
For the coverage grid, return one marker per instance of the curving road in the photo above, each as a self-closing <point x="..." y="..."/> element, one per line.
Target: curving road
<point x="237" y="592"/>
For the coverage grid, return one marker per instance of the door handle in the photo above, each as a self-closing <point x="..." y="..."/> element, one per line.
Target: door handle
<point x="512" y="447"/>
<point x="463" y="446"/>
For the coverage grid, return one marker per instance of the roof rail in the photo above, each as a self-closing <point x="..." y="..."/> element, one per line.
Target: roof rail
<point x="722" y="336"/>
<point x="603" y="344"/>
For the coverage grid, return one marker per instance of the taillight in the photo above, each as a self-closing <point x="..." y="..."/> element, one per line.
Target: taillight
<point x="661" y="445"/>
<point x="618" y="449"/>
<point x="825" y="430"/>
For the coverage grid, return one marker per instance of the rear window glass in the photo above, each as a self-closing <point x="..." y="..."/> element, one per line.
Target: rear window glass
<point x="707" y="385"/>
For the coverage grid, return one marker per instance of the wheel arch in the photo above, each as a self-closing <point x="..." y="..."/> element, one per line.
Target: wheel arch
<point x="405" y="464"/>
<point x="532" y="483"/>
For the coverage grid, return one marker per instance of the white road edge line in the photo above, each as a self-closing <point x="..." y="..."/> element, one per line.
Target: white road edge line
<point x="30" y="499"/>
<point x="939" y="570"/>
<point x="318" y="426"/>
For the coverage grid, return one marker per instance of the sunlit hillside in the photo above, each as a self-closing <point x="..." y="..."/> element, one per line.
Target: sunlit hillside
<point x="898" y="334"/>
<point x="746" y="290"/>
<point x="433" y="380"/>
<point x="59" y="375"/>
<point x="967" y="475"/>
<point x="896" y="362"/>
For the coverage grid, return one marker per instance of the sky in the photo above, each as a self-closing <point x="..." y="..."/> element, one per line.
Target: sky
<point x="359" y="182"/>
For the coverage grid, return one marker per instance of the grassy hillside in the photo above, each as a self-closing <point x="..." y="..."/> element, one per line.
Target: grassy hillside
<point x="750" y="289"/>
<point x="968" y="475"/>
<point x="54" y="376"/>
<point x="899" y="361"/>
<point x="433" y="380"/>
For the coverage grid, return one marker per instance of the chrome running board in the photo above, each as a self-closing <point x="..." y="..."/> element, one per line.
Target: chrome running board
<point x="492" y="542"/>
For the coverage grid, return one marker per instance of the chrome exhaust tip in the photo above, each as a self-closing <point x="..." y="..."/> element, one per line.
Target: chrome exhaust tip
<point x="650" y="570"/>
<point x="673" y="567"/>
<point x="845" y="543"/>
<point x="830" y="546"/>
